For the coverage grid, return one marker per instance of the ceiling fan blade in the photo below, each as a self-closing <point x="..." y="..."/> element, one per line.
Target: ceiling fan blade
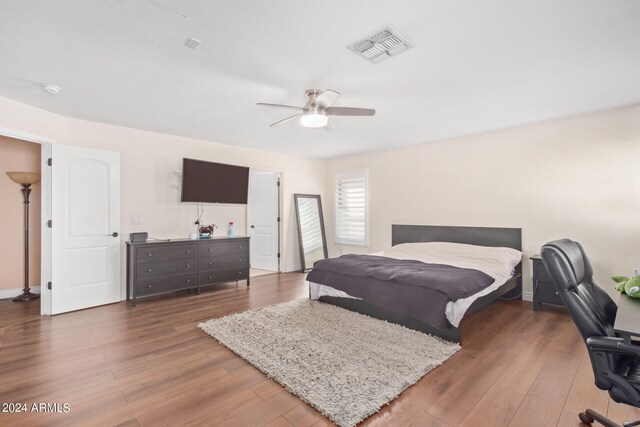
<point x="349" y="111"/>
<point x="325" y="99"/>
<point x="329" y="126"/>
<point x="290" y="107"/>
<point x="285" y="121"/>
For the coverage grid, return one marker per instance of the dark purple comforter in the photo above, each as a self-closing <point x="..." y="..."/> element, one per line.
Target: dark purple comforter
<point x="408" y="287"/>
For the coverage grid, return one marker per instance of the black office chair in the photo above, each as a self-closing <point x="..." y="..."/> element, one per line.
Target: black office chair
<point x="616" y="365"/>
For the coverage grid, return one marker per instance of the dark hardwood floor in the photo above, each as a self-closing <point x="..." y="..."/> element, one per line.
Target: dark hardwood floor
<point x="152" y="366"/>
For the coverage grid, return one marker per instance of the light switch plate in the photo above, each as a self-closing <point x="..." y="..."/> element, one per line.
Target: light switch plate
<point x="138" y="220"/>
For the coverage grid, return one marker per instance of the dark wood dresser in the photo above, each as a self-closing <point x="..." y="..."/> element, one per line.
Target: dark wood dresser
<point x="160" y="267"/>
<point x="544" y="290"/>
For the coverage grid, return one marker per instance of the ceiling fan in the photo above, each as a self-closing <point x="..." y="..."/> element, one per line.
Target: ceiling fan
<point x="316" y="112"/>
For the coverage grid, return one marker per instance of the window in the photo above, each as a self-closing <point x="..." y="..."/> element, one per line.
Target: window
<point x="351" y="208"/>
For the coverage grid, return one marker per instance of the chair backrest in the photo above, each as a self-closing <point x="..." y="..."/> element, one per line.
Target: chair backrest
<point x="591" y="308"/>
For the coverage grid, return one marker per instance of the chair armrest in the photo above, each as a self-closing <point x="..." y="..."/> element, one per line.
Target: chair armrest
<point x="612" y="345"/>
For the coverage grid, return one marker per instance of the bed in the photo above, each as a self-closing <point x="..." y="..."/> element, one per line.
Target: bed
<point x="391" y="285"/>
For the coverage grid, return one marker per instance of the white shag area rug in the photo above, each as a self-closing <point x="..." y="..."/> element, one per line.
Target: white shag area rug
<point x="344" y="364"/>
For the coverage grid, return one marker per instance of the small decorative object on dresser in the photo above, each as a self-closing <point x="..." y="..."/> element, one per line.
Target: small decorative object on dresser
<point x="139" y="237"/>
<point x="160" y="267"/>
<point x="206" y="231"/>
<point x="544" y="290"/>
<point x="231" y="232"/>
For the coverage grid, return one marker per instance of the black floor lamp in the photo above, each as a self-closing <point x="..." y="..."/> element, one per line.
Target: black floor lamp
<point x="26" y="179"/>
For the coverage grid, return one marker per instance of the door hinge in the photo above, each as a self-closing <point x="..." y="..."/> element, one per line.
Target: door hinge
<point x="49" y="223"/>
<point x="49" y="285"/>
<point x="278" y="183"/>
<point x="49" y="161"/>
<point x="278" y="219"/>
<point x="278" y="254"/>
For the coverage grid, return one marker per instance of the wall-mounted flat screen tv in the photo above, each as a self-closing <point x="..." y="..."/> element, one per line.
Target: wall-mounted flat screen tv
<point x="208" y="182"/>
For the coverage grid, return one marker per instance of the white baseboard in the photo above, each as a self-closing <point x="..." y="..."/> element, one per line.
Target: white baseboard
<point x="12" y="293"/>
<point x="292" y="268"/>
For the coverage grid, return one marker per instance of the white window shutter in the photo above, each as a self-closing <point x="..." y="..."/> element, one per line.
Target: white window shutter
<point x="351" y="208"/>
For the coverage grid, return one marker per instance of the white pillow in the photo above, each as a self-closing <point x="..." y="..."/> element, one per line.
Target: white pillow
<point x="498" y="260"/>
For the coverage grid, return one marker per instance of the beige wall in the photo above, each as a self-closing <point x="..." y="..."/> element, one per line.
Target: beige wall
<point x="18" y="155"/>
<point x="148" y="164"/>
<point x="576" y="178"/>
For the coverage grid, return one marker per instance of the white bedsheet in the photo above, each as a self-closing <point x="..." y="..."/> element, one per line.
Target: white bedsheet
<point x="499" y="263"/>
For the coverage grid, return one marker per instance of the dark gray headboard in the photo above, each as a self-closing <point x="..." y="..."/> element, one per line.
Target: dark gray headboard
<point x="481" y="236"/>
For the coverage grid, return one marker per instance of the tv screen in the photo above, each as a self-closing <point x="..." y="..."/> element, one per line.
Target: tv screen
<point x="208" y="182"/>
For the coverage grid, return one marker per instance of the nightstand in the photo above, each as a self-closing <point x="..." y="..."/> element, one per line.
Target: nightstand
<point x="544" y="291"/>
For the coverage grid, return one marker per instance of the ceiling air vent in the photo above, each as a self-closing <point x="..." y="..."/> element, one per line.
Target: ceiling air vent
<point x="381" y="45"/>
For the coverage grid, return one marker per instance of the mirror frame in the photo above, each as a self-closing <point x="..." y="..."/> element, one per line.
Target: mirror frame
<point x="324" y="237"/>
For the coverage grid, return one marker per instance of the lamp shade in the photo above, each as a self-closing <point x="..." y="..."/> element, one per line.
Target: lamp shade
<point x="24" y="178"/>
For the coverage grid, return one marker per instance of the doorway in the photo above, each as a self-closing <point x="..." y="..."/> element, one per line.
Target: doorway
<point x="264" y="221"/>
<point x="24" y="156"/>
<point x="72" y="203"/>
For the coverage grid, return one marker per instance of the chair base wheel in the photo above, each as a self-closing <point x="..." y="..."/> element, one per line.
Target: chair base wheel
<point x="586" y="419"/>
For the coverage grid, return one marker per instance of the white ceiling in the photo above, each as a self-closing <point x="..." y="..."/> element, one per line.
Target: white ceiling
<point x="476" y="66"/>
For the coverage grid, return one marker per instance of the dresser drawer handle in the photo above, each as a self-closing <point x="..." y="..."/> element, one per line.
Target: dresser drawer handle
<point x="149" y="270"/>
<point x="209" y="263"/>
<point x="188" y="266"/>
<point x="148" y="254"/>
<point x="148" y="286"/>
<point x="239" y="246"/>
<point x="188" y="280"/>
<point x="188" y="252"/>
<point x="239" y="272"/>
<point x="210" y="277"/>
<point x="209" y="249"/>
<point x="239" y="259"/>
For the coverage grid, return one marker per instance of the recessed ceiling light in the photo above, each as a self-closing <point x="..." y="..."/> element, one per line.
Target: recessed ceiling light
<point x="192" y="43"/>
<point x="51" y="88"/>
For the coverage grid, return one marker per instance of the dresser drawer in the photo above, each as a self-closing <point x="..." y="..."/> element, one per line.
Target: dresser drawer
<point x="224" y="247"/>
<point x="547" y="293"/>
<point x="166" y="284"/>
<point x="224" y="262"/>
<point x="223" y="276"/>
<point x="163" y="267"/>
<point x="154" y="269"/>
<point x="165" y="253"/>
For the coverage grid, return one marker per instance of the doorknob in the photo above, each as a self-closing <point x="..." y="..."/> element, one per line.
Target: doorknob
<point x="253" y="226"/>
<point x="114" y="234"/>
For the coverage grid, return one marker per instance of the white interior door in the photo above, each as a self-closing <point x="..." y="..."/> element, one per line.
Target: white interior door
<point x="263" y="216"/>
<point x="85" y="214"/>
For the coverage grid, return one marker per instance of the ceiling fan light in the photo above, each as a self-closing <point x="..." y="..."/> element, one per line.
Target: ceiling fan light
<point x="314" y="120"/>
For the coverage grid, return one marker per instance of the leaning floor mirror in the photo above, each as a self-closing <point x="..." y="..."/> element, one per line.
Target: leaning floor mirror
<point x="313" y="243"/>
